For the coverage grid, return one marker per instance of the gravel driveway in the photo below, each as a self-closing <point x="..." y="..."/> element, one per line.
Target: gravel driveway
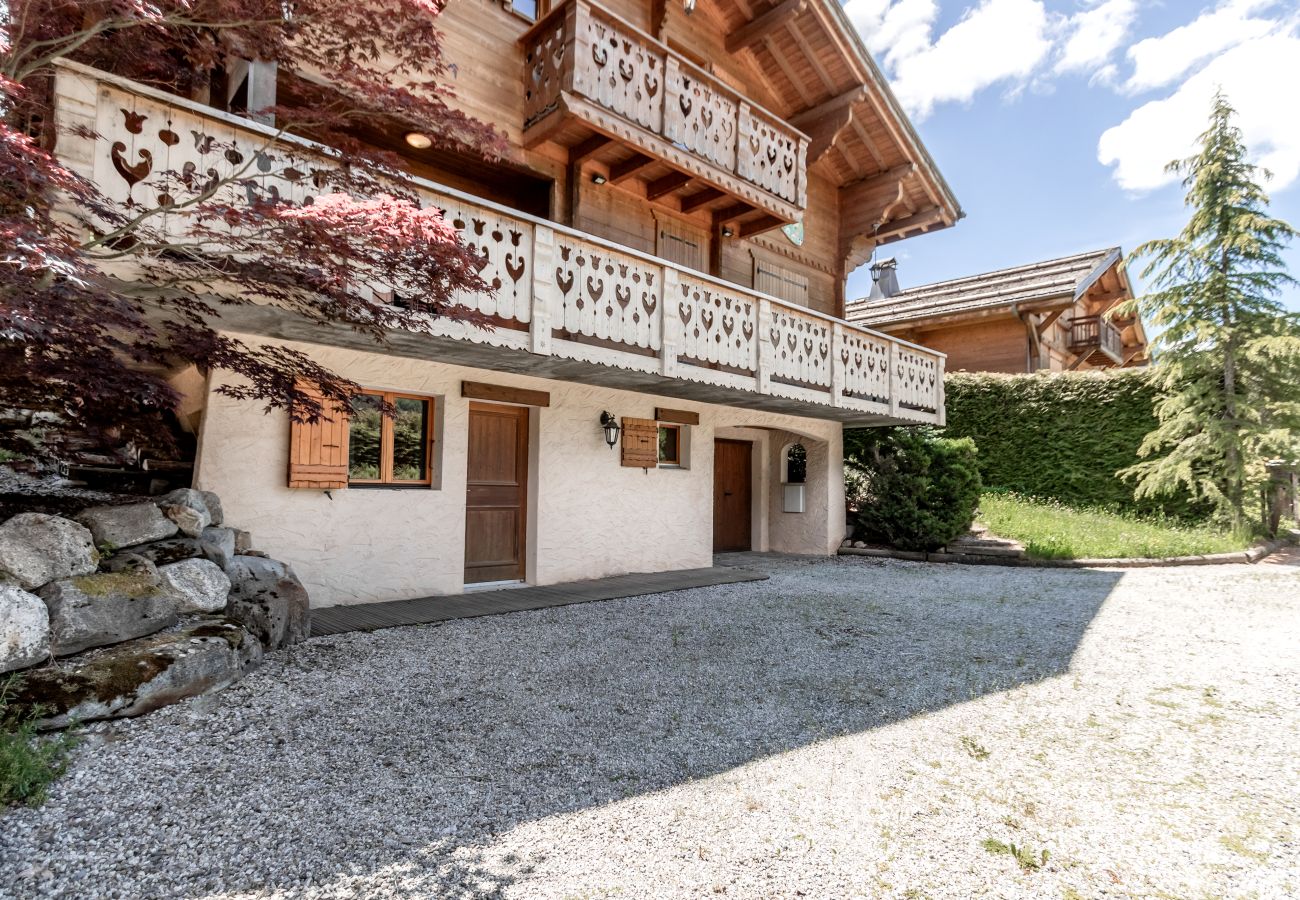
<point x="851" y="727"/>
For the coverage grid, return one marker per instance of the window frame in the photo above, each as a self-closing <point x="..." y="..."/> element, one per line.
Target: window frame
<point x="669" y="463"/>
<point x="386" y="479"/>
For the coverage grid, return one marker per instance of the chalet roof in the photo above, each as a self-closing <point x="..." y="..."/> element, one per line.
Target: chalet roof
<point x="1067" y="278"/>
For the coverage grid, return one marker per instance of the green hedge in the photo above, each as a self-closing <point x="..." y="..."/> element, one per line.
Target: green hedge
<point x="1060" y="437"/>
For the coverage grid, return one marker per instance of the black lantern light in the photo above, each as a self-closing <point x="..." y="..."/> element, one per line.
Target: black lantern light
<point x="610" y="426"/>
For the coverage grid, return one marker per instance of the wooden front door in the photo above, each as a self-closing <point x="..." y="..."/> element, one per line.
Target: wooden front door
<point x="496" y="501"/>
<point x="732" y="498"/>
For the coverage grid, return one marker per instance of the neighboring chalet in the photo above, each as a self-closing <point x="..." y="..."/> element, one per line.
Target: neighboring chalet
<point x="687" y="188"/>
<point x="1045" y="316"/>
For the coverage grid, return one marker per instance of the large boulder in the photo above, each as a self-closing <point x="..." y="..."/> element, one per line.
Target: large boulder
<point x="198" y="585"/>
<point x="213" y="503"/>
<point x="162" y="553"/>
<point x="106" y="608"/>
<point x="219" y="544"/>
<point x="267" y="598"/>
<point x="36" y="549"/>
<point x="126" y="526"/>
<point x="141" y="675"/>
<point x="24" y="629"/>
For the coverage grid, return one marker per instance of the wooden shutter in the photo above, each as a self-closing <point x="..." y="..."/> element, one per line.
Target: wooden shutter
<point x="680" y="243"/>
<point x="640" y="443"/>
<point x="779" y="281"/>
<point x="318" y="451"/>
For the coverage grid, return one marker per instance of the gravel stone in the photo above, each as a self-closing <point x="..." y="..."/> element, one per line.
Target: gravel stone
<point x="850" y="728"/>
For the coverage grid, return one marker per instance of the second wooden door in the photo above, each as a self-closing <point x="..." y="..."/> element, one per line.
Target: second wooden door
<point x="732" y="495"/>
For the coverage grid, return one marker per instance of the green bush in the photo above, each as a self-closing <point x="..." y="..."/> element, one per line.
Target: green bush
<point x="1061" y="436"/>
<point x="29" y="762"/>
<point x="920" y="491"/>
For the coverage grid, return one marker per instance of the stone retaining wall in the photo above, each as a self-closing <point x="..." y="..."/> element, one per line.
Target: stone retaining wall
<point x="119" y="610"/>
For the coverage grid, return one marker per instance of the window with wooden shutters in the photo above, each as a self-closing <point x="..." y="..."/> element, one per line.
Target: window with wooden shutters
<point x="678" y="242"/>
<point x="640" y="443"/>
<point x="318" y="451"/>
<point x="779" y="281"/>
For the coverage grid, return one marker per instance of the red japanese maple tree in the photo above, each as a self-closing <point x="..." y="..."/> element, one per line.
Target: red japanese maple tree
<point x="91" y="346"/>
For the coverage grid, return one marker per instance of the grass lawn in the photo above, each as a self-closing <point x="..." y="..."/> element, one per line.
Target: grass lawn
<point x="1050" y="530"/>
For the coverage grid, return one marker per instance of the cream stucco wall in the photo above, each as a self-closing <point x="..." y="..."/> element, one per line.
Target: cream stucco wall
<point x="589" y="517"/>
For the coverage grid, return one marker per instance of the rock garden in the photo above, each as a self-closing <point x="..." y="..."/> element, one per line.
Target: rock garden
<point x="117" y="610"/>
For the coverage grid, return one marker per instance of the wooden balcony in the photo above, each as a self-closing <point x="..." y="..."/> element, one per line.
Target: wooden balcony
<point x="568" y="305"/>
<point x="597" y="85"/>
<point x="1097" y="341"/>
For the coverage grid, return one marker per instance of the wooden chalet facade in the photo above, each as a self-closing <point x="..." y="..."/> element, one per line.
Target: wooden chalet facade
<point x="1050" y="316"/>
<point x="685" y="191"/>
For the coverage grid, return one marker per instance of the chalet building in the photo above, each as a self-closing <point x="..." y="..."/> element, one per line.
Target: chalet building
<point x="1047" y="316"/>
<point x="685" y="191"/>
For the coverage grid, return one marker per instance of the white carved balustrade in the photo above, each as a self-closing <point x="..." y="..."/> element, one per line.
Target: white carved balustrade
<point x="583" y="49"/>
<point x="555" y="291"/>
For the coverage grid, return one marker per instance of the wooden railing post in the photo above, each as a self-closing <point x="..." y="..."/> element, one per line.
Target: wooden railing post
<point x="670" y="322"/>
<point x="546" y="293"/>
<point x="940" y="410"/>
<point x="838" y="375"/>
<point x="766" y="352"/>
<point x="893" y="378"/>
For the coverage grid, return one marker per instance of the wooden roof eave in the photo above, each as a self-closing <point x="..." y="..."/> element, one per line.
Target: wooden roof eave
<point x="1011" y="309"/>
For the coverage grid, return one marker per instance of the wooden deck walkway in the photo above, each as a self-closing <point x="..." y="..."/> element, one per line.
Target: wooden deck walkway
<point x="421" y="611"/>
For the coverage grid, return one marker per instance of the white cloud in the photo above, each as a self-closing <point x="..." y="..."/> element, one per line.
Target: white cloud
<point x="1161" y="61"/>
<point x="998" y="41"/>
<point x="1091" y="37"/>
<point x="893" y="29"/>
<point x="1259" y="77"/>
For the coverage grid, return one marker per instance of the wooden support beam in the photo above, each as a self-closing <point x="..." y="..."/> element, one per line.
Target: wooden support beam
<point x="880" y="183"/>
<point x="757" y="226"/>
<point x="824" y="122"/>
<point x="477" y="390"/>
<point x="840" y="102"/>
<point x="1049" y="320"/>
<point x="703" y="198"/>
<point x="667" y="184"/>
<point x="762" y="26"/>
<point x="620" y="172"/>
<point x="728" y="213"/>
<point x="580" y="153"/>
<point x="922" y="219"/>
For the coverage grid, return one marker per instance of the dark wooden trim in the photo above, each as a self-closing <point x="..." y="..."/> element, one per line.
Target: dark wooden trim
<point x="477" y="390"/>
<point x="679" y="416"/>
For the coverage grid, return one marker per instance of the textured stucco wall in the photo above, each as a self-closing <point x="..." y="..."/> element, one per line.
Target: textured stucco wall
<point x="589" y="516"/>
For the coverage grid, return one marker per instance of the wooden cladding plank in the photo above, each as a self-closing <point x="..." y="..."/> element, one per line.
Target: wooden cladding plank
<point x="477" y="390"/>
<point x="677" y="416"/>
<point x="640" y="443"/>
<point x="318" y="451"/>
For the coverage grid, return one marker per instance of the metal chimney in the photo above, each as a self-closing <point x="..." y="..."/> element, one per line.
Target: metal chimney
<point x="884" y="279"/>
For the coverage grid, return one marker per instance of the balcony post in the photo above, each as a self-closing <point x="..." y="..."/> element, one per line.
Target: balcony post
<point x="838" y="375"/>
<point x="545" y="292"/>
<point x="893" y="379"/>
<point x="670" y="322"/>
<point x="766" y="352"/>
<point x="940" y="410"/>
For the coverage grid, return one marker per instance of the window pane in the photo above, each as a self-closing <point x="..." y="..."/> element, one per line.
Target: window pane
<point x="796" y="471"/>
<point x="525" y="7"/>
<point x="411" y="440"/>
<point x="668" y="445"/>
<point x="363" y="438"/>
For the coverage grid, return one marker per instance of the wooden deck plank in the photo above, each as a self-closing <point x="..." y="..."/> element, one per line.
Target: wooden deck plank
<point x="426" y="610"/>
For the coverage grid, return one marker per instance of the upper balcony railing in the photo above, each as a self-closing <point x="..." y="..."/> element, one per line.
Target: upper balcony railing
<point x="1096" y="333"/>
<point x="584" y="61"/>
<point x="559" y="293"/>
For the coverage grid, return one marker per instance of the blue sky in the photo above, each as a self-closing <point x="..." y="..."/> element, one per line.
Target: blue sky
<point x="1051" y="119"/>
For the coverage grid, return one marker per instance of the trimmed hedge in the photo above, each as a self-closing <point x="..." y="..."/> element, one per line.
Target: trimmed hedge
<point x="1060" y="436"/>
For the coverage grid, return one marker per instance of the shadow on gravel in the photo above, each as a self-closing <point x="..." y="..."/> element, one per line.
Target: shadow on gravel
<point x="383" y="763"/>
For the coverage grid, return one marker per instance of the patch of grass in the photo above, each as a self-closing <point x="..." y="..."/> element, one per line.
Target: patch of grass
<point x="1051" y="530"/>
<point x="1026" y="858"/>
<point x="974" y="748"/>
<point x="29" y="762"/>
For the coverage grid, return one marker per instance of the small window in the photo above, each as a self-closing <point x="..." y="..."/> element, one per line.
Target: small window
<point x="526" y="8"/>
<point x="390" y="450"/>
<point x="796" y="464"/>
<point x="670" y="445"/>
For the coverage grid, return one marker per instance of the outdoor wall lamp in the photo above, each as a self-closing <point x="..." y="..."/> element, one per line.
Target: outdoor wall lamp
<point x="598" y="178"/>
<point x="609" y="425"/>
<point x="418" y="140"/>
<point x="689" y="6"/>
<point x="727" y="231"/>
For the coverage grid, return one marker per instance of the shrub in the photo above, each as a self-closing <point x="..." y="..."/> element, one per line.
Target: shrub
<point x="28" y="762"/>
<point x="920" y="491"/>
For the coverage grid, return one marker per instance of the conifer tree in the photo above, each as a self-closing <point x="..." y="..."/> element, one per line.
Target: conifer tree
<point x="1228" y="352"/>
